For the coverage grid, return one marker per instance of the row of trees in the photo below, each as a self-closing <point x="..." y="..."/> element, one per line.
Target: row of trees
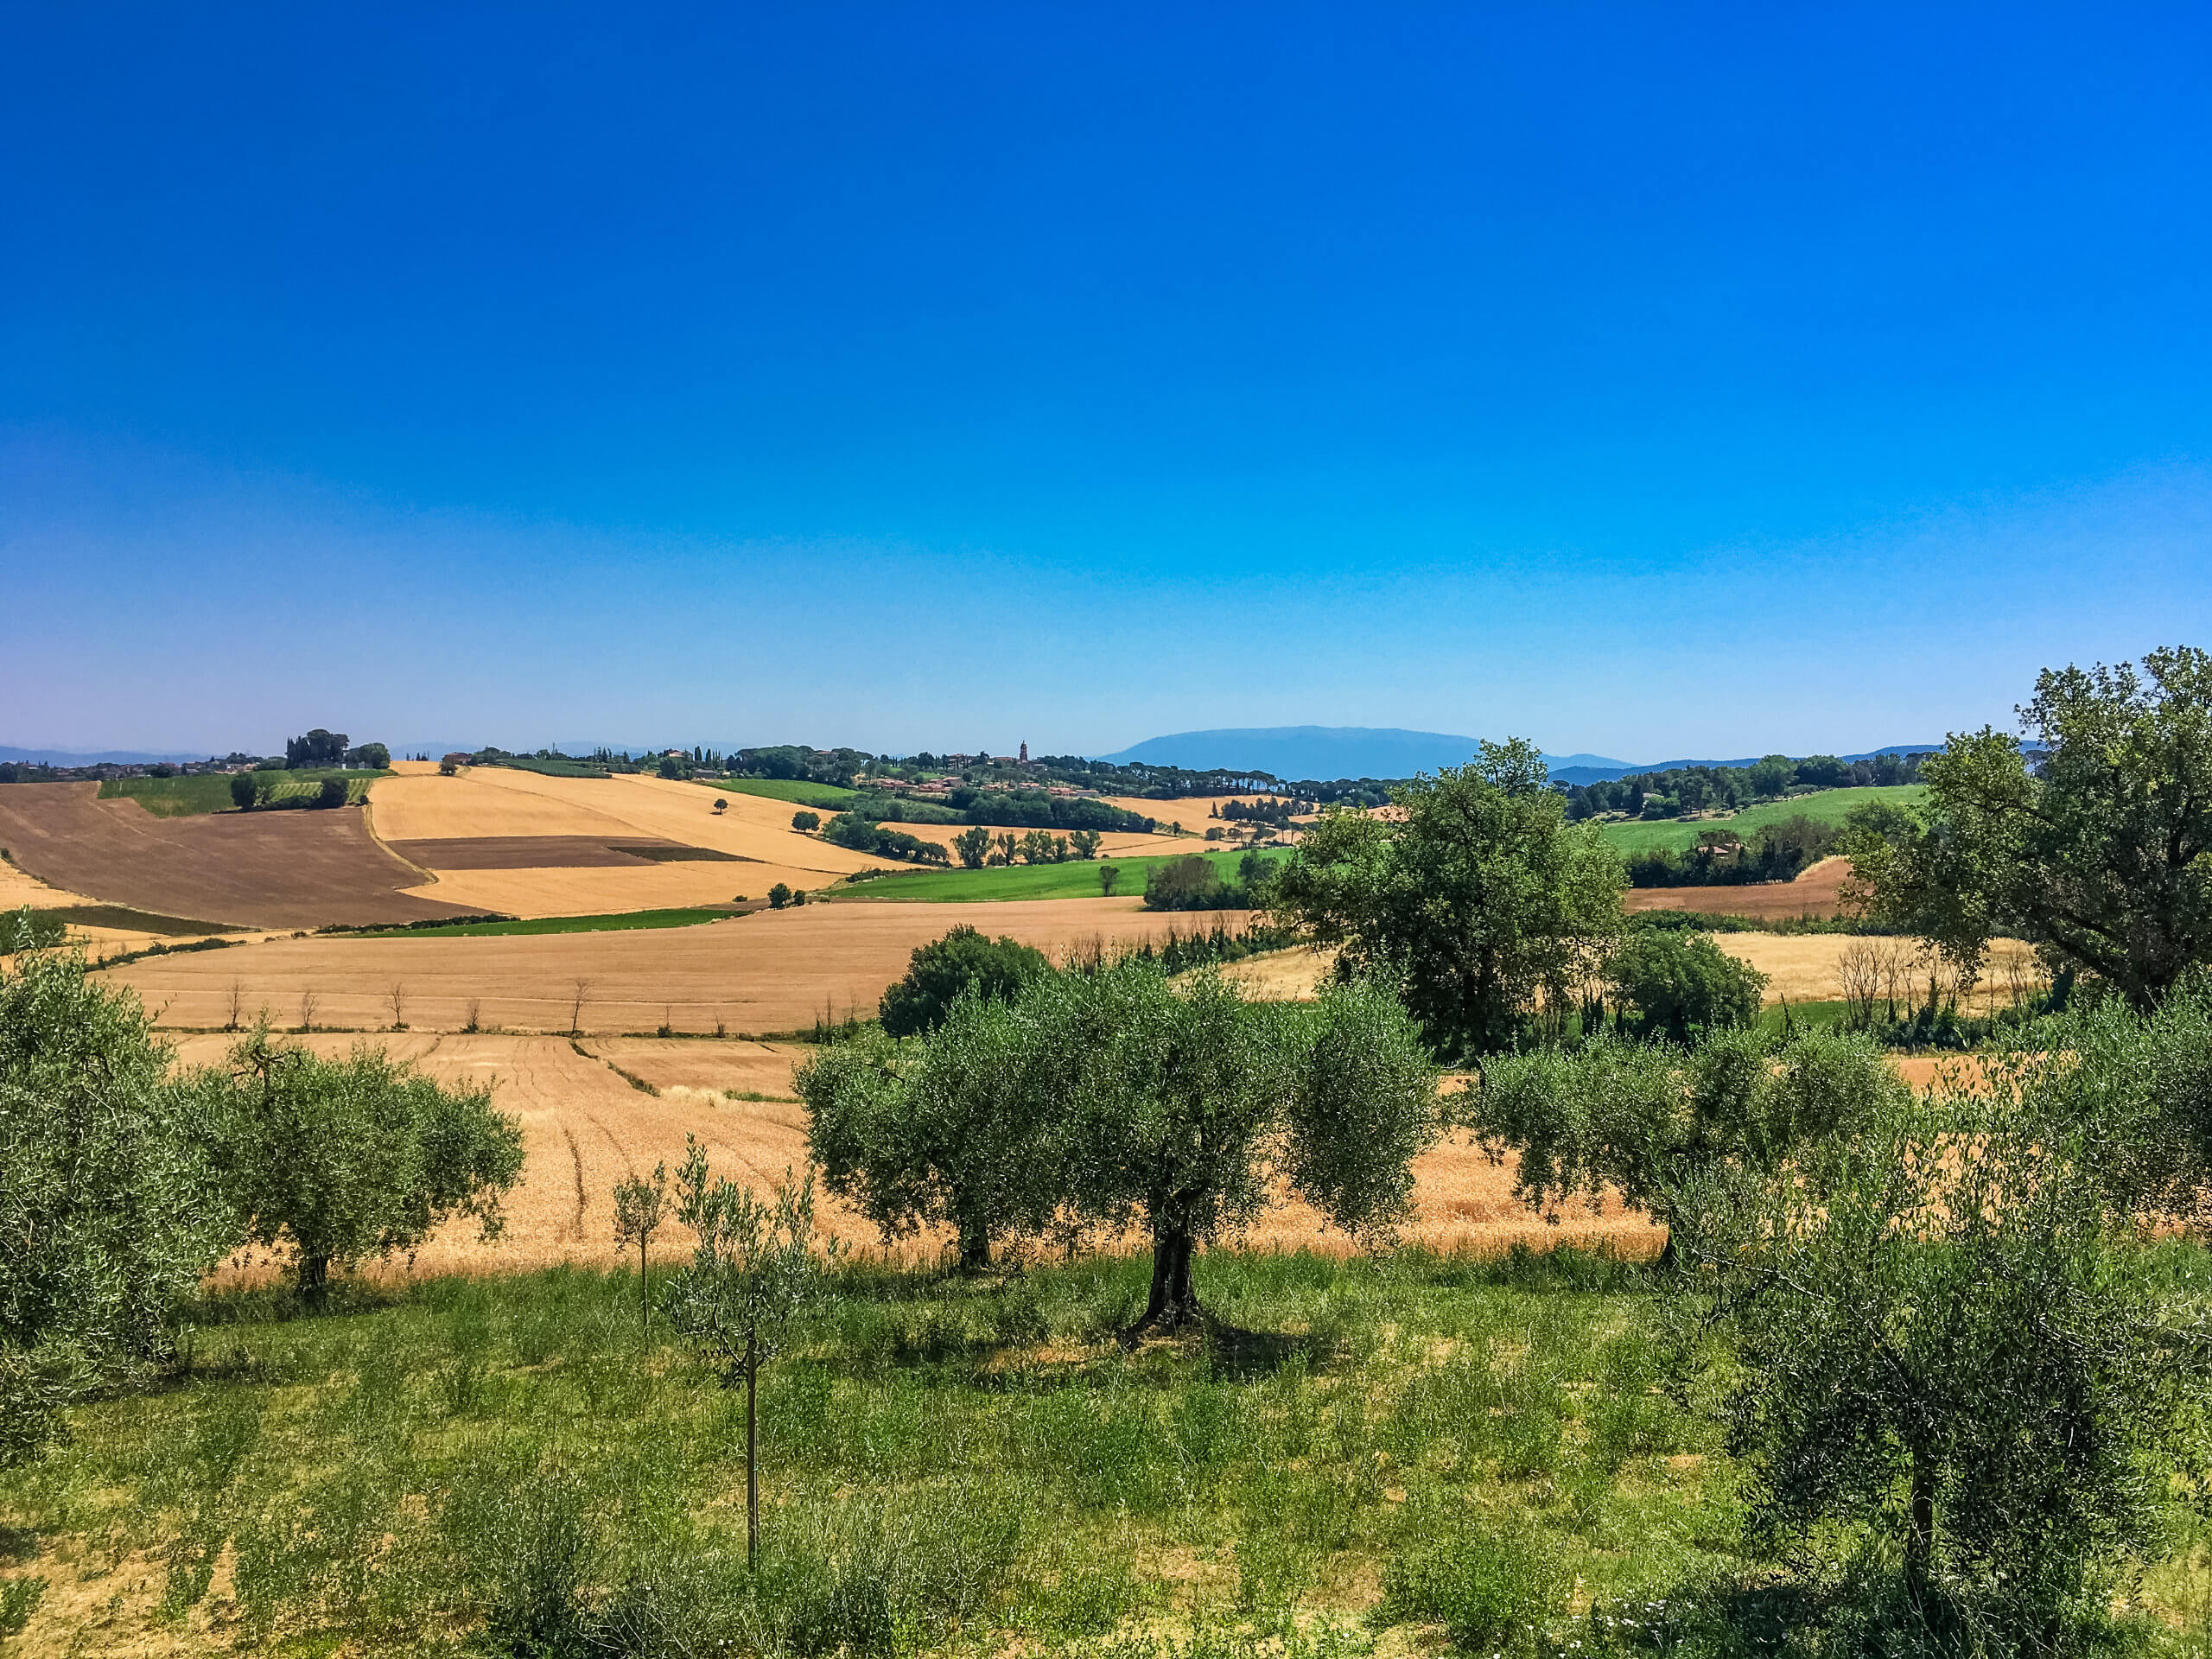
<point x="1018" y="809"/>
<point x="1194" y="883"/>
<point x="847" y="829"/>
<point x="261" y="789"/>
<point x="123" y="1184"/>
<point x="1269" y="809"/>
<point x="977" y="847"/>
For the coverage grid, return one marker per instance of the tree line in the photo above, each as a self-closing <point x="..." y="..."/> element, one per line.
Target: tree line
<point x="1680" y="791"/>
<point x="320" y="748"/>
<point x="1721" y="857"/>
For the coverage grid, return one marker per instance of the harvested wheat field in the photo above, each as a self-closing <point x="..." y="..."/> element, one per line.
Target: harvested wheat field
<point x="285" y="869"/>
<point x="1818" y="891"/>
<point x="586" y="1126"/>
<point x="526" y="845"/>
<point x="772" y="970"/>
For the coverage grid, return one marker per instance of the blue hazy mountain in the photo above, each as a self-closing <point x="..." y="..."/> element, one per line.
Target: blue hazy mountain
<point x="1329" y="752"/>
<point x="1322" y="752"/>
<point x="102" y="757"/>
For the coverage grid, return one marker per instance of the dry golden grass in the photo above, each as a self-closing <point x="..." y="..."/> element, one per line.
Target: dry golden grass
<point x="1803" y="967"/>
<point x="773" y="970"/>
<point x="1818" y="891"/>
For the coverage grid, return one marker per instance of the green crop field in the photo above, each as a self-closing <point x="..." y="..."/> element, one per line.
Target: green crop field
<point x="621" y="921"/>
<point x="1827" y="805"/>
<point x="831" y="795"/>
<point x="1077" y="879"/>
<point x="185" y="797"/>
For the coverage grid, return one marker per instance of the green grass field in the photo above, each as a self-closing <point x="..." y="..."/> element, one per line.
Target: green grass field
<point x="184" y="797"/>
<point x="621" y="922"/>
<point x="831" y="795"/>
<point x="1826" y="805"/>
<point x="1364" y="1453"/>
<point x="1077" y="879"/>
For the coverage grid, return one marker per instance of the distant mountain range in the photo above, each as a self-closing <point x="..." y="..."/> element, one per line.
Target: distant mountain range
<point x="1322" y="753"/>
<point x="102" y="757"/>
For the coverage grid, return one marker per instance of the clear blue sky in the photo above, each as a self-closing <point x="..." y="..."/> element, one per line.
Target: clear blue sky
<point x="1651" y="380"/>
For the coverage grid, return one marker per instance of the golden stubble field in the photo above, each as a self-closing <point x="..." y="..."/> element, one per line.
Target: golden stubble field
<point x="769" y="971"/>
<point x="417" y="809"/>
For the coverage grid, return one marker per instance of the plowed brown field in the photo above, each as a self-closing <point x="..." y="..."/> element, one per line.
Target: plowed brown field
<point x="773" y="970"/>
<point x="287" y="869"/>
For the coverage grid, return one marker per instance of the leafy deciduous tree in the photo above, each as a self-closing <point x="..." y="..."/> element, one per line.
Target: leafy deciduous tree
<point x="2096" y="846"/>
<point x="972" y="845"/>
<point x="1478" y="900"/>
<point x="1680" y="984"/>
<point x="938" y="971"/>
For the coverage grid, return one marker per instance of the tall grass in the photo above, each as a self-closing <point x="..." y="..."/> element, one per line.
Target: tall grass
<point x="1492" y="1453"/>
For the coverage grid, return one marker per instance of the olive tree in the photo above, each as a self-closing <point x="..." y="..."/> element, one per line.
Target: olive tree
<point x="1644" y="1121"/>
<point x="755" y="1268"/>
<point x="640" y="1206"/>
<point x="110" y="1208"/>
<point x="1944" y="1339"/>
<point x="2143" y="1083"/>
<point x="1477" y="902"/>
<point x="960" y="1129"/>
<point x="342" y="1160"/>
<point x="1187" y="1105"/>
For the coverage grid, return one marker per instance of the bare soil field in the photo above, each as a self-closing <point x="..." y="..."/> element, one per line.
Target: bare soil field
<point x="773" y="970"/>
<point x="564" y="852"/>
<point x="1818" y="891"/>
<point x="526" y="845"/>
<point x="285" y="869"/>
